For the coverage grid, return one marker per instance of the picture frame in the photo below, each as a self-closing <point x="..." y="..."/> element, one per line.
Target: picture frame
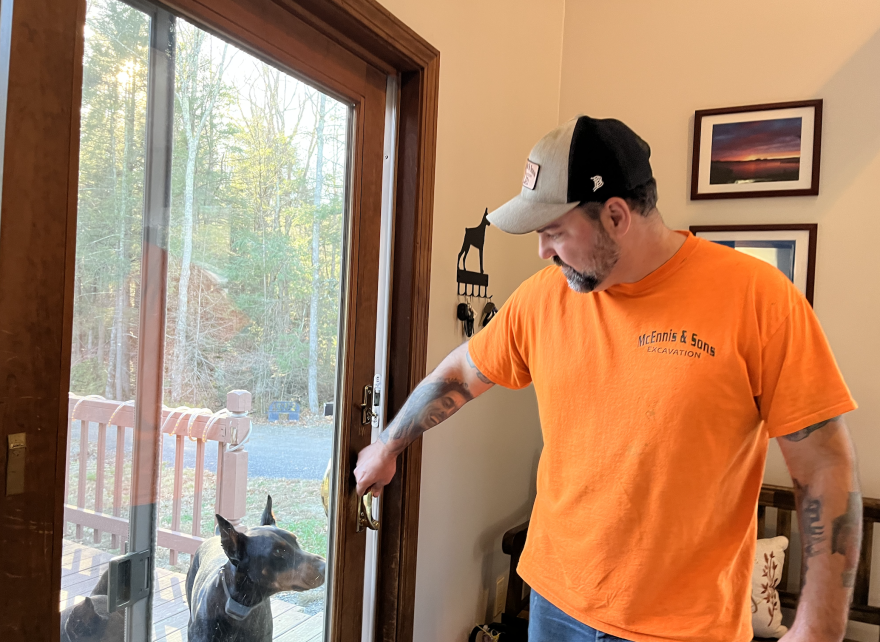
<point x="757" y="151"/>
<point x="791" y="248"/>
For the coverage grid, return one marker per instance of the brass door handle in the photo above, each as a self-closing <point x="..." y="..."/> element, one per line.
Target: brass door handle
<point x="365" y="513"/>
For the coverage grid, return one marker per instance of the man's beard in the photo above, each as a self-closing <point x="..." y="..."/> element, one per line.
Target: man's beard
<point x="606" y="253"/>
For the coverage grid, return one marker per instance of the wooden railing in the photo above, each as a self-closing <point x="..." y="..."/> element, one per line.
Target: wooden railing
<point x="228" y="428"/>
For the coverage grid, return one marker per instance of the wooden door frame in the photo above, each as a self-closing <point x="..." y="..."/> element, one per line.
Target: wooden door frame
<point x="37" y="253"/>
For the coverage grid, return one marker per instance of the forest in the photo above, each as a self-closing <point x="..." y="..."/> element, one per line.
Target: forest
<point x="256" y="221"/>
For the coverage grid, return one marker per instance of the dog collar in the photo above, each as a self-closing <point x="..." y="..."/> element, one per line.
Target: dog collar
<point x="234" y="609"/>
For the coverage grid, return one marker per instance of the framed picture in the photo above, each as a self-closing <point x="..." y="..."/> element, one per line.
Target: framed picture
<point x="757" y="151"/>
<point x="791" y="248"/>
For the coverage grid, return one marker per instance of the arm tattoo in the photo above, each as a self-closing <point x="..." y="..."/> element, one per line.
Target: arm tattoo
<point x="800" y="435"/>
<point x="812" y="529"/>
<point x="480" y="375"/>
<point x="431" y="403"/>
<point x="846" y="535"/>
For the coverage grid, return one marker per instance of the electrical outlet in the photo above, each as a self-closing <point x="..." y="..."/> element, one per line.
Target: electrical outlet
<point x="500" y="593"/>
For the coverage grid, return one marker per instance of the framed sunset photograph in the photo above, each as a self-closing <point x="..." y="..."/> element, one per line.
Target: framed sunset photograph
<point x="790" y="248"/>
<point x="757" y="151"/>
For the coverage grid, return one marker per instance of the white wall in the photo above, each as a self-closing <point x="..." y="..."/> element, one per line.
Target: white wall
<point x="499" y="93"/>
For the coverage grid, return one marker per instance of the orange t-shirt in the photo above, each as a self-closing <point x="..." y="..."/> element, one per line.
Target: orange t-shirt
<point x="657" y="400"/>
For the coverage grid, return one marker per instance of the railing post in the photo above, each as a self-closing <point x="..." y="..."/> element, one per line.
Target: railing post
<point x="232" y="486"/>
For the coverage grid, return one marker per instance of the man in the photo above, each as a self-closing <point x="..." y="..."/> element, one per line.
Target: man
<point x="663" y="364"/>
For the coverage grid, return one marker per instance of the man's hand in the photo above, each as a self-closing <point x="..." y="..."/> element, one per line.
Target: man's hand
<point x="375" y="468"/>
<point x="822" y="464"/>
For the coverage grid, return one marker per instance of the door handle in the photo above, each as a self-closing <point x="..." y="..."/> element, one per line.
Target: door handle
<point x="365" y="513"/>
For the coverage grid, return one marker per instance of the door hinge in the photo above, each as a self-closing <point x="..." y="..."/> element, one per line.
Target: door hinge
<point x="129" y="579"/>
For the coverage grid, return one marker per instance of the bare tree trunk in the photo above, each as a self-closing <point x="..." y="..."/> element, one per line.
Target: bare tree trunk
<point x="193" y="129"/>
<point x="316" y="256"/>
<point x="183" y="283"/>
<point x="123" y="372"/>
<point x="101" y="333"/>
<point x="112" y="387"/>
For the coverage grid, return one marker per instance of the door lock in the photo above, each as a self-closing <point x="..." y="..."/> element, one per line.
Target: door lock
<point x="15" y="463"/>
<point x="367" y="413"/>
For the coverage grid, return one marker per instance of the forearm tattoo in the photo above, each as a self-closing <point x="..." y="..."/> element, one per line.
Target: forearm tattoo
<point x="800" y="435"/>
<point x="480" y="375"/>
<point x="846" y="536"/>
<point x="812" y="529"/>
<point x="431" y="403"/>
<point x="846" y="532"/>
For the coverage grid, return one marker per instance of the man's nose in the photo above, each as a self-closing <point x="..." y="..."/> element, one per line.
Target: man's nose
<point x="545" y="249"/>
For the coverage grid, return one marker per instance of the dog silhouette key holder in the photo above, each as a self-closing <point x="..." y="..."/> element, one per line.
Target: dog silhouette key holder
<point x="473" y="285"/>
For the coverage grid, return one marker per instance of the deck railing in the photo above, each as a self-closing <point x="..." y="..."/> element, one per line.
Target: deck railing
<point x="228" y="428"/>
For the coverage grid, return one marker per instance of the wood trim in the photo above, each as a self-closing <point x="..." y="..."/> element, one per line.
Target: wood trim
<point x="367" y="29"/>
<point x="813" y="190"/>
<point x="812" y="228"/>
<point x="36" y="259"/>
<point x="398" y="541"/>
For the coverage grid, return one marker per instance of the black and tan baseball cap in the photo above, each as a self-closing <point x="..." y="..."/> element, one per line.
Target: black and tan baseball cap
<point x="584" y="160"/>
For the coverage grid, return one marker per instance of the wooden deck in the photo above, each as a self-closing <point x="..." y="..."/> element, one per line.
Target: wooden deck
<point x="82" y="566"/>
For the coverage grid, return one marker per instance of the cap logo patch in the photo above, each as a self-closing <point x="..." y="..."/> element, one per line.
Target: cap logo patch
<point x="597" y="182"/>
<point x="531" y="176"/>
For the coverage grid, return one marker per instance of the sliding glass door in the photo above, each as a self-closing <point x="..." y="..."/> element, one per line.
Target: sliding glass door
<point x="223" y="336"/>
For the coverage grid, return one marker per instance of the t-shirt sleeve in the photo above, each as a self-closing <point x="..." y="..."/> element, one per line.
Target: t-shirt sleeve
<point x="801" y="384"/>
<point x="499" y="350"/>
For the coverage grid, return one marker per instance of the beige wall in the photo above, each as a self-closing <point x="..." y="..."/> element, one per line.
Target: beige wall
<point x="652" y="64"/>
<point x="499" y="93"/>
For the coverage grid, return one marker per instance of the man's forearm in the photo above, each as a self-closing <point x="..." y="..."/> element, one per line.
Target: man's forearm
<point x="456" y="381"/>
<point x="432" y="402"/>
<point x="829" y="505"/>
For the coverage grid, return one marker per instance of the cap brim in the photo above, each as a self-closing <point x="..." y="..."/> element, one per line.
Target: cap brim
<point x="521" y="216"/>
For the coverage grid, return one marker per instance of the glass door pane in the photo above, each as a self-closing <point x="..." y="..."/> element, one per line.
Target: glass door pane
<point x="108" y="282"/>
<point x="254" y="288"/>
<point x="212" y="253"/>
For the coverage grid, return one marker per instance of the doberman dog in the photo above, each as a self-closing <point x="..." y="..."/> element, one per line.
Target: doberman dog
<point x="89" y="621"/>
<point x="233" y="575"/>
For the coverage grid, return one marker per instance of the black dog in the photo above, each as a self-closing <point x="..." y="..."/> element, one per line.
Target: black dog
<point x="89" y="621"/>
<point x="232" y="577"/>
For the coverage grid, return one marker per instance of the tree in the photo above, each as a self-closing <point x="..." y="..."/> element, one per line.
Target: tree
<point x="316" y="258"/>
<point x="109" y="220"/>
<point x="195" y="97"/>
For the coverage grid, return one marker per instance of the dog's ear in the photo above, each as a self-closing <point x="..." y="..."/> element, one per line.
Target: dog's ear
<point x="83" y="621"/>
<point x="101" y="588"/>
<point x="233" y="542"/>
<point x="268" y="518"/>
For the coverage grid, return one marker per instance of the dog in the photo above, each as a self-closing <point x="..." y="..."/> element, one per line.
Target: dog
<point x="89" y="621"/>
<point x="233" y="575"/>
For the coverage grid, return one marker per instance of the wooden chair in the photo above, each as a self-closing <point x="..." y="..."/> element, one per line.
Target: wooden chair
<point x="778" y="497"/>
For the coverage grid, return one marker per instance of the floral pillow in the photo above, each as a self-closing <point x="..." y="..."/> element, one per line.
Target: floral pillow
<point x="766" y="610"/>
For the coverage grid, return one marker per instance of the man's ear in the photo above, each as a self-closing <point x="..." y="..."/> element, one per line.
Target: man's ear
<point x="268" y="518"/>
<point x="618" y="217"/>
<point x="233" y="542"/>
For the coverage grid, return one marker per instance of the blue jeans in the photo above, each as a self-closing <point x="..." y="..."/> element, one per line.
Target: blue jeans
<point x="548" y="624"/>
